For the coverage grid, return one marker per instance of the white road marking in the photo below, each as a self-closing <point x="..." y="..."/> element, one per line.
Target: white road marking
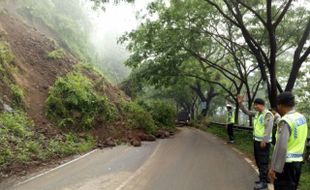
<point x="140" y="170"/>
<point x="251" y="164"/>
<point x="238" y="151"/>
<point x="63" y="165"/>
<point x="249" y="161"/>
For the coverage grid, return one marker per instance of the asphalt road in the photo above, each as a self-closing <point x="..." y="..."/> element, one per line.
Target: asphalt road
<point x="191" y="160"/>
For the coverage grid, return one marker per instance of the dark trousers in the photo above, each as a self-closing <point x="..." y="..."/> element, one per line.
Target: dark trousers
<point x="262" y="158"/>
<point x="274" y="131"/>
<point x="289" y="178"/>
<point x="230" y="131"/>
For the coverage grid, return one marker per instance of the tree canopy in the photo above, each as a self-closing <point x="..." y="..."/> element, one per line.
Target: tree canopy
<point x="240" y="46"/>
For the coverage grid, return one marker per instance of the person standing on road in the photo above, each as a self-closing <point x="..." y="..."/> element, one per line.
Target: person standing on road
<point x="290" y="145"/>
<point x="230" y="119"/>
<point x="262" y="129"/>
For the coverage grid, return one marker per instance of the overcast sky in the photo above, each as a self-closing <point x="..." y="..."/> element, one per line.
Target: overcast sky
<point x="110" y="24"/>
<point x="117" y="19"/>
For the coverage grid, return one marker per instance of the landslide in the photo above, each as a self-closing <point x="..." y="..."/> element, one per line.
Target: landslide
<point x="32" y="64"/>
<point x="35" y="72"/>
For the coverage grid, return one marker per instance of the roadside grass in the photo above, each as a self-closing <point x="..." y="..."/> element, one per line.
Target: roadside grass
<point x="21" y="145"/>
<point x="305" y="177"/>
<point x="243" y="141"/>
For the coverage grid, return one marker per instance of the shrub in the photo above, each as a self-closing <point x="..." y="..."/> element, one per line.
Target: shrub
<point x="162" y="112"/>
<point x="6" y="55"/>
<point x="6" y="66"/>
<point x="56" y="54"/>
<point x="16" y="124"/>
<point x="15" y="132"/>
<point x="70" y="145"/>
<point x="138" y="118"/>
<point x="73" y="102"/>
<point x="17" y="95"/>
<point x="19" y="144"/>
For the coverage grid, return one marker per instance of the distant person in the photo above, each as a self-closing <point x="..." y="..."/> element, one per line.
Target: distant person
<point x="276" y="120"/>
<point x="262" y="129"/>
<point x="230" y="120"/>
<point x="290" y="145"/>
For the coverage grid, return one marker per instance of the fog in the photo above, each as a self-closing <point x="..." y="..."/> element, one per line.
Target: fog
<point x="108" y="26"/>
<point x="90" y="34"/>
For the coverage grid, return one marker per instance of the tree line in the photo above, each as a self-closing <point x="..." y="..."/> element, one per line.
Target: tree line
<point x="225" y="47"/>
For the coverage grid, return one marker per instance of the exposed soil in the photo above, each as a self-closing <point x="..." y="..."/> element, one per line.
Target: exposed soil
<point x="36" y="72"/>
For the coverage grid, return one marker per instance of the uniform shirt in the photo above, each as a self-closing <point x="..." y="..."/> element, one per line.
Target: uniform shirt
<point x="268" y="122"/>
<point x="276" y="119"/>
<point x="230" y="115"/>
<point x="280" y="149"/>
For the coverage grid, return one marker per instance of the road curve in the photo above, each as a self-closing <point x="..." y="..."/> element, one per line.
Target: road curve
<point x="191" y="160"/>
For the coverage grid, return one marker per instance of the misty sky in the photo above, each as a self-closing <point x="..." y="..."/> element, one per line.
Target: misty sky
<point x="110" y="24"/>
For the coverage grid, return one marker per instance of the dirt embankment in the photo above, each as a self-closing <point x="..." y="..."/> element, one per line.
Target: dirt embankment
<point x="35" y="71"/>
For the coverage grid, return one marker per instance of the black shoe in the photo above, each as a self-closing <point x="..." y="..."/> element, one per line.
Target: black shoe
<point x="260" y="186"/>
<point x="230" y="142"/>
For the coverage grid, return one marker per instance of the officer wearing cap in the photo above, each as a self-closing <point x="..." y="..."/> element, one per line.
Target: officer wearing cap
<point x="262" y="136"/>
<point x="290" y="145"/>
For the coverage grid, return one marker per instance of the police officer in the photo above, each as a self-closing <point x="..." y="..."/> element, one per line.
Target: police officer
<point x="262" y="132"/>
<point x="291" y="138"/>
<point x="230" y="119"/>
<point x="276" y="120"/>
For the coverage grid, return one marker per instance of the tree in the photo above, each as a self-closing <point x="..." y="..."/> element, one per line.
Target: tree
<point x="270" y="19"/>
<point x="183" y="88"/>
<point x="266" y="28"/>
<point x="177" y="44"/>
<point x="302" y="90"/>
<point x="100" y="3"/>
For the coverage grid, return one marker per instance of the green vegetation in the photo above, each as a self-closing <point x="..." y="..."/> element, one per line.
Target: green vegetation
<point x="6" y="58"/>
<point x="66" y="18"/>
<point x="244" y="139"/>
<point x="17" y="96"/>
<point x="71" y="144"/>
<point x="305" y="177"/>
<point x="244" y="143"/>
<point x="56" y="54"/>
<point x="6" y="71"/>
<point x="6" y="55"/>
<point x="162" y="112"/>
<point x="15" y="129"/>
<point x="19" y="144"/>
<point x="138" y="118"/>
<point x="71" y="24"/>
<point x="74" y="103"/>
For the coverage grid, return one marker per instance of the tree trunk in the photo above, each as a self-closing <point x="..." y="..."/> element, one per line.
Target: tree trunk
<point x="237" y="112"/>
<point x="193" y="113"/>
<point x="211" y="94"/>
<point x="249" y="108"/>
<point x="293" y="76"/>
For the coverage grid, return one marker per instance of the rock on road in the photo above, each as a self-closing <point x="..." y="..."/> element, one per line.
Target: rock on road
<point x="191" y="160"/>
